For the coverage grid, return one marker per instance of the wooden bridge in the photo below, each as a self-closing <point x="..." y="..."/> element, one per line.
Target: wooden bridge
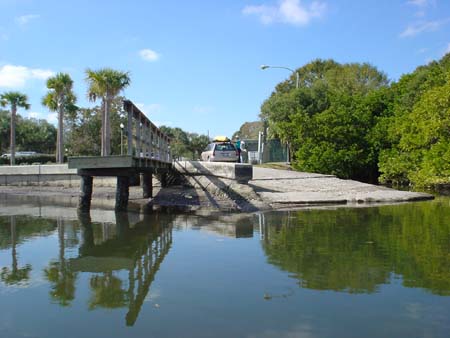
<point x="148" y="152"/>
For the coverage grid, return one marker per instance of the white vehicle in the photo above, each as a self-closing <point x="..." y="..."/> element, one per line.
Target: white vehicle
<point x="21" y="154"/>
<point x="220" y="152"/>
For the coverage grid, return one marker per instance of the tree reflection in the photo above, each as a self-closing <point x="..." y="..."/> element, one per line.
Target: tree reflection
<point x="107" y="292"/>
<point x="59" y="273"/>
<point x="357" y="250"/>
<point x="15" y="275"/>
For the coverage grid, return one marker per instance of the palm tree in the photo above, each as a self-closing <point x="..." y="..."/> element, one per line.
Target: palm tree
<point x="14" y="99"/>
<point x="106" y="83"/>
<point x="60" y="98"/>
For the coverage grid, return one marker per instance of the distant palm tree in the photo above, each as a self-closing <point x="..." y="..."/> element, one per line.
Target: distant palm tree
<point x="106" y="84"/>
<point x="14" y="100"/>
<point x="60" y="98"/>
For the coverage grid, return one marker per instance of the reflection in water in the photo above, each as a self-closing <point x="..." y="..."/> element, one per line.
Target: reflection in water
<point x="105" y="249"/>
<point x="15" y="275"/>
<point x="393" y="260"/>
<point x="139" y="249"/>
<point x="59" y="274"/>
<point x="357" y="250"/>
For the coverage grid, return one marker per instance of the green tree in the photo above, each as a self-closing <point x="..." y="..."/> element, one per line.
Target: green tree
<point x="14" y="100"/>
<point x="184" y="144"/>
<point x="179" y="141"/>
<point x="197" y="143"/>
<point x="83" y="134"/>
<point x="328" y="120"/>
<point x="36" y="135"/>
<point x="249" y="130"/>
<point x="31" y="134"/>
<point x="418" y="130"/>
<point x="106" y="84"/>
<point x="60" y="98"/>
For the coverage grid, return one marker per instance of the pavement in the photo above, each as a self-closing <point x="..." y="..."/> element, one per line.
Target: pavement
<point x="277" y="187"/>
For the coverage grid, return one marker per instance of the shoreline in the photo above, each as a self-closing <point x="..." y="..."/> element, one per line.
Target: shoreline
<point x="270" y="189"/>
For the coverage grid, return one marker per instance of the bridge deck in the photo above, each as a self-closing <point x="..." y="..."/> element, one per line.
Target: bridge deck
<point x="116" y="165"/>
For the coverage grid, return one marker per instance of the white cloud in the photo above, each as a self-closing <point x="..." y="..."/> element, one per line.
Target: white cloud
<point x="42" y="74"/>
<point x="422" y="27"/>
<point x="422" y="50"/>
<point x="287" y="11"/>
<point x="25" y="19"/>
<point x="149" y="55"/>
<point x="17" y="76"/>
<point x="421" y="3"/>
<point x="417" y="2"/>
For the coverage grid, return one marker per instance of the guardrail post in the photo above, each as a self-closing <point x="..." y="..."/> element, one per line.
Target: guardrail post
<point x="130" y="130"/>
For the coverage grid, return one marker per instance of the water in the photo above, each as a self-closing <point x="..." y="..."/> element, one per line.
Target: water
<point x="363" y="272"/>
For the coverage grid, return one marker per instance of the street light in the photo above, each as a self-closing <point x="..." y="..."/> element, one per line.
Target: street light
<point x="121" y="138"/>
<point x="264" y="67"/>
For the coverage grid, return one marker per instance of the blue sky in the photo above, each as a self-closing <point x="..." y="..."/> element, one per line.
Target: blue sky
<point x="194" y="64"/>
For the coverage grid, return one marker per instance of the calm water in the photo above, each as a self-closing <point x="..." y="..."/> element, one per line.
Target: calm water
<point x="366" y="272"/>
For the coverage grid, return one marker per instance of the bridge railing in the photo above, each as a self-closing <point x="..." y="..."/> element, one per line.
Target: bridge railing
<point x="145" y="139"/>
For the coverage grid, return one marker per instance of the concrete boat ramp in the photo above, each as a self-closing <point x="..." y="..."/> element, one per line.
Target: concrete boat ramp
<point x="284" y="187"/>
<point x="247" y="188"/>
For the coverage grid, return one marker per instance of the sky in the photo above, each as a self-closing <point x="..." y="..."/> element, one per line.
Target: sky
<point x="195" y="64"/>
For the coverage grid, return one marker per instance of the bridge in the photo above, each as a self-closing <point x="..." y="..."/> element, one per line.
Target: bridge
<point x="148" y="153"/>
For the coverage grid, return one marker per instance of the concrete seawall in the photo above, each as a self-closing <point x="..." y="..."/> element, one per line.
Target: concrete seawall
<point x="46" y="175"/>
<point x="61" y="175"/>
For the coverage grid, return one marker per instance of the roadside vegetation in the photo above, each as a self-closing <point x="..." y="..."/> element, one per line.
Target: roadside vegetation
<point x="351" y="121"/>
<point x="185" y="145"/>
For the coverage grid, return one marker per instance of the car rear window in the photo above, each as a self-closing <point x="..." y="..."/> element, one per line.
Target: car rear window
<point x="225" y="147"/>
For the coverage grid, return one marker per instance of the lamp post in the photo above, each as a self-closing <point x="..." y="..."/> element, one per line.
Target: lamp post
<point x="121" y="138"/>
<point x="264" y="67"/>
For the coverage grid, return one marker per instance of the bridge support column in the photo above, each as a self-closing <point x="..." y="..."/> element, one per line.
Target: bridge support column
<point x="147" y="185"/>
<point x="163" y="177"/>
<point x="84" y="202"/>
<point x="122" y="192"/>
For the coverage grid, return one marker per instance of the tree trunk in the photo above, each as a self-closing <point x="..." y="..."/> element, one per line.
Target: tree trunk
<point x="12" y="142"/>
<point x="60" y="141"/>
<point x="102" y="130"/>
<point x="107" y="126"/>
